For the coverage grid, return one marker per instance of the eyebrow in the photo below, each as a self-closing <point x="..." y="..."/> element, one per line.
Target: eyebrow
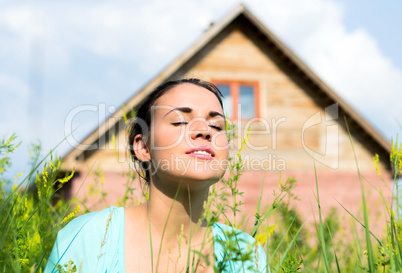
<point x="188" y="110"/>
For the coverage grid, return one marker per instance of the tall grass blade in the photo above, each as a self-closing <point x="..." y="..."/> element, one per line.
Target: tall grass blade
<point x="283" y="257"/>
<point x="372" y="234"/>
<point x="165" y="226"/>
<point x="150" y="241"/>
<point x="283" y="238"/>
<point x="189" y="239"/>
<point x="356" y="241"/>
<point x="321" y="227"/>
<point x="258" y="219"/>
<point x="370" y="256"/>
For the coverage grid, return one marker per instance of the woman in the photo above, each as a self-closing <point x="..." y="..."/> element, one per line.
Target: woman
<point x="179" y="143"/>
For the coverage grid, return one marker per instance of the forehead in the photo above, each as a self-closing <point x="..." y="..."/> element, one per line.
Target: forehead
<point x="190" y="95"/>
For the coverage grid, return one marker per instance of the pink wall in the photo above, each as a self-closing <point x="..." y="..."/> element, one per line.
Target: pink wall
<point x="334" y="187"/>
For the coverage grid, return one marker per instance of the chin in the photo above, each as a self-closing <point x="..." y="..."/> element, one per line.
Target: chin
<point x="195" y="173"/>
<point x="205" y="177"/>
<point x="202" y="178"/>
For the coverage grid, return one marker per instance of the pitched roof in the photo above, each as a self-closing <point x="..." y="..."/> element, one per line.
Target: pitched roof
<point x="240" y="14"/>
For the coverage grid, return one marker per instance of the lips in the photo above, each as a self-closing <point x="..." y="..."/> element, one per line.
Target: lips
<point x="201" y="151"/>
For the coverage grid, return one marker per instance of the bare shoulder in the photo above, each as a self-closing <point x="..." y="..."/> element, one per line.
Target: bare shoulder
<point x="135" y="214"/>
<point x="135" y="224"/>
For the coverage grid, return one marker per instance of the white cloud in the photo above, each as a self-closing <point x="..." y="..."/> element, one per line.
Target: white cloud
<point x="120" y="30"/>
<point x="348" y="61"/>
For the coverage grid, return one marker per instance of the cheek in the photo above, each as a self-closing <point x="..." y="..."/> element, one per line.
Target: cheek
<point x="166" y="137"/>
<point x="220" y="144"/>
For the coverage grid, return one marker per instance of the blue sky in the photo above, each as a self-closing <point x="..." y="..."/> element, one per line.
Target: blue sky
<point x="59" y="56"/>
<point x="382" y="20"/>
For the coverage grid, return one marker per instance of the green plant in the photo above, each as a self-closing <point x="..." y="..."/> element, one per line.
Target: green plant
<point x="33" y="212"/>
<point x="30" y="218"/>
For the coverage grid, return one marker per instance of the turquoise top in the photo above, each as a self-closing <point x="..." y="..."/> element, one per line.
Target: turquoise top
<point x="97" y="240"/>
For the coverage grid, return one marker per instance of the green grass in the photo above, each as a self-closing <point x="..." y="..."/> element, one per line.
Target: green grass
<point x="33" y="212"/>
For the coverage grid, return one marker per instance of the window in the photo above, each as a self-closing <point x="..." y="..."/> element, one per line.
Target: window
<point x="240" y="99"/>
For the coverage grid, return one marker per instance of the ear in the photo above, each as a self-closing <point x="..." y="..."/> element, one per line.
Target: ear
<point x="141" y="149"/>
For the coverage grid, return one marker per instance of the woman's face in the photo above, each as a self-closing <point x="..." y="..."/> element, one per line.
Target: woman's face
<point x="187" y="137"/>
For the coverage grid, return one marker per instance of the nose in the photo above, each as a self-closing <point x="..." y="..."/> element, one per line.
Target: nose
<point x="200" y="129"/>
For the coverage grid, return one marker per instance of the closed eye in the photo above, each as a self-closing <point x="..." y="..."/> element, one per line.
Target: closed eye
<point x="179" y="123"/>
<point x="216" y="127"/>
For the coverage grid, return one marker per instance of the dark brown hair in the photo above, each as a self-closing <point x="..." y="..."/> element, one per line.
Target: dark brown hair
<point x="142" y="121"/>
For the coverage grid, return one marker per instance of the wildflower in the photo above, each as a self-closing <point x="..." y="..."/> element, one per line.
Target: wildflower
<point x="36" y="239"/>
<point x="376" y="160"/>
<point x="396" y="156"/>
<point x="271" y="230"/>
<point x="67" y="178"/>
<point x="70" y="216"/>
<point x="113" y="142"/>
<point x="261" y="238"/>
<point x="102" y="178"/>
<point x="24" y="261"/>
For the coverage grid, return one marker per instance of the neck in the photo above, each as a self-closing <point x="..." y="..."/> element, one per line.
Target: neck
<point x="175" y="210"/>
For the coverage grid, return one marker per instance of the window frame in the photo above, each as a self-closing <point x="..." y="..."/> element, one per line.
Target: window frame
<point x="234" y="87"/>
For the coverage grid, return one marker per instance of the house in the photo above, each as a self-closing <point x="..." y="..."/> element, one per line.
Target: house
<point x="298" y="125"/>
